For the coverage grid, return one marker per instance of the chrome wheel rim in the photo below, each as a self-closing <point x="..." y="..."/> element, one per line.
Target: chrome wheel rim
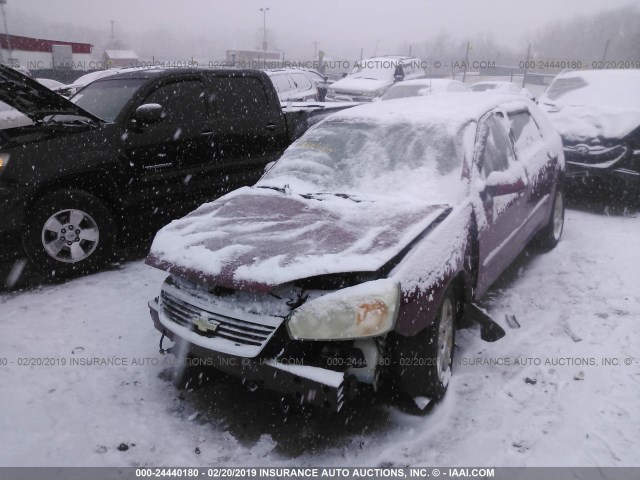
<point x="558" y="216"/>
<point x="445" y="341"/>
<point x="70" y="236"/>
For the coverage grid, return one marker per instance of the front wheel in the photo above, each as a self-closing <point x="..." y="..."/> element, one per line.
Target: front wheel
<point x="69" y="232"/>
<point x="424" y="361"/>
<point x="551" y="234"/>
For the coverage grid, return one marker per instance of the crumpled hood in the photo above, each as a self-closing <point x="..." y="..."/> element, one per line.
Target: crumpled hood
<point x="34" y="99"/>
<point x="581" y="123"/>
<point x="357" y="85"/>
<point x="256" y="238"/>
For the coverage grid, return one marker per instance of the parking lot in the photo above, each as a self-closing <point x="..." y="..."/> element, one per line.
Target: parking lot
<point x="572" y="400"/>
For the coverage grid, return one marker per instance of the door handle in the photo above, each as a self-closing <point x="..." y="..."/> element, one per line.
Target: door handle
<point x="207" y="133"/>
<point x="271" y="126"/>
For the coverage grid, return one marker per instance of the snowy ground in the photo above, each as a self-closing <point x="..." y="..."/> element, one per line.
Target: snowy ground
<point x="579" y="301"/>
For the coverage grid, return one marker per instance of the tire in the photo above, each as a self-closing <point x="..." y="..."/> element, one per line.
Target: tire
<point x="51" y="220"/>
<point x="424" y="361"/>
<point x="550" y="235"/>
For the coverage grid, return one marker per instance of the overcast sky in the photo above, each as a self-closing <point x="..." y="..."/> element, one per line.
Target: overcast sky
<point x="342" y="27"/>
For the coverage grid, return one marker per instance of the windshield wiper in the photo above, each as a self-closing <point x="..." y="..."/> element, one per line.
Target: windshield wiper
<point x="277" y="189"/>
<point x="315" y="196"/>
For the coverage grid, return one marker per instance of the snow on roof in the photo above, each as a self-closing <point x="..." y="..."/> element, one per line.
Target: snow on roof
<point x="454" y="109"/>
<point x="427" y="81"/>
<point x="121" y="54"/>
<point x="593" y="104"/>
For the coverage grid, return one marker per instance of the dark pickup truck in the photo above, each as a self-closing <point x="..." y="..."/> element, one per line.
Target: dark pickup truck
<point x="137" y="148"/>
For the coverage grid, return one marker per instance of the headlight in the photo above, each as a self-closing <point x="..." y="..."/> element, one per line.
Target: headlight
<point x="4" y="160"/>
<point x="366" y="310"/>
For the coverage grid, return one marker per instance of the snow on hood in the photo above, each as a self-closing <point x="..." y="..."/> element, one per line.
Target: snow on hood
<point x="581" y="123"/>
<point x="257" y="238"/>
<point x="594" y="104"/>
<point x="355" y="84"/>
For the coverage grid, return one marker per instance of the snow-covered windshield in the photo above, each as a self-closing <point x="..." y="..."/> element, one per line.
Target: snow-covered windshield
<point x="613" y="89"/>
<point x="374" y="69"/>
<point x="106" y="98"/>
<point x="403" y="91"/>
<point x="370" y="158"/>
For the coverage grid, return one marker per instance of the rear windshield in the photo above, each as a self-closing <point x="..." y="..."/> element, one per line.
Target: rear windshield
<point x="106" y="98"/>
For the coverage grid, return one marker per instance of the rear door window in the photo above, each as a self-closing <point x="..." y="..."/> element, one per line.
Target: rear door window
<point x="240" y="97"/>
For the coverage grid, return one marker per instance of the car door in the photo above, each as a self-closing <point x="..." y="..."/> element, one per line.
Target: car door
<point x="533" y="153"/>
<point x="251" y="129"/>
<point x="165" y="155"/>
<point x="504" y="203"/>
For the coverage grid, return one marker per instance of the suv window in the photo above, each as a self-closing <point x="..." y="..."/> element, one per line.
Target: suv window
<point x="498" y="152"/>
<point x="240" y="97"/>
<point x="282" y="83"/>
<point x="524" y="129"/>
<point x="302" y="81"/>
<point x="180" y="101"/>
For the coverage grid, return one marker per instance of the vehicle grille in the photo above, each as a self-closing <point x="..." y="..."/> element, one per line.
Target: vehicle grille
<point x="239" y="332"/>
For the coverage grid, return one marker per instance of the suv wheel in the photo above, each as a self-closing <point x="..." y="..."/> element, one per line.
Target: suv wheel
<point x="69" y="232"/>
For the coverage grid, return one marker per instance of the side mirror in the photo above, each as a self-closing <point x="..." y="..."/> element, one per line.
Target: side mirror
<point x="503" y="183"/>
<point x="148" y="114"/>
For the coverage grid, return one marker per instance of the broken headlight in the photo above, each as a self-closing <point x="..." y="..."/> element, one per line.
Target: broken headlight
<point x="366" y="310"/>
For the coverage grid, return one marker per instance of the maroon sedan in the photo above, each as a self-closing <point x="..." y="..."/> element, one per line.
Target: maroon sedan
<point x="356" y="256"/>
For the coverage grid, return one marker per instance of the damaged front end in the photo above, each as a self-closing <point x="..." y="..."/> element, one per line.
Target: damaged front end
<point x="313" y="341"/>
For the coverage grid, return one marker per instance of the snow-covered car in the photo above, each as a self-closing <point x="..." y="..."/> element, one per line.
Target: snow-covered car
<point x="426" y="86"/>
<point x="372" y="77"/>
<point x="294" y="85"/>
<point x="84" y="80"/>
<point x="597" y="114"/>
<point x="354" y="259"/>
<point x="50" y="84"/>
<point x="499" y="86"/>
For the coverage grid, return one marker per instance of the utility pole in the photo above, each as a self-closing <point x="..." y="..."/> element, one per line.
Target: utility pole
<point x="466" y="62"/>
<point x="6" y="29"/>
<point x="112" y="36"/>
<point x="264" y="28"/>
<point x="606" y="49"/>
<point x="526" y="64"/>
<point x="315" y="49"/>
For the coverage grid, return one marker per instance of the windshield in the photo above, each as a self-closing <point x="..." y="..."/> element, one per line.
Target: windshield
<point x="613" y="90"/>
<point x="483" y="87"/>
<point x="106" y="98"/>
<point x="403" y="91"/>
<point x="374" y="69"/>
<point x="366" y="158"/>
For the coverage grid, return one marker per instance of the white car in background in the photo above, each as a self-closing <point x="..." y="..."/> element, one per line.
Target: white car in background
<point x="500" y="86"/>
<point x="295" y="85"/>
<point x="425" y="86"/>
<point x="372" y="77"/>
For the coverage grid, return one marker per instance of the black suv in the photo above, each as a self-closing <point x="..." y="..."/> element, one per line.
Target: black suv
<point x="132" y="149"/>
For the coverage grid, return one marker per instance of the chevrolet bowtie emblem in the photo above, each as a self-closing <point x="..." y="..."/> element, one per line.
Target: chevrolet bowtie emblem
<point x="206" y="324"/>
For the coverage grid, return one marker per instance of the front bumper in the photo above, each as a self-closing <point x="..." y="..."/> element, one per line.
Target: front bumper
<point x="347" y="97"/>
<point x="619" y="161"/>
<point x="302" y="384"/>
<point x="12" y="214"/>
